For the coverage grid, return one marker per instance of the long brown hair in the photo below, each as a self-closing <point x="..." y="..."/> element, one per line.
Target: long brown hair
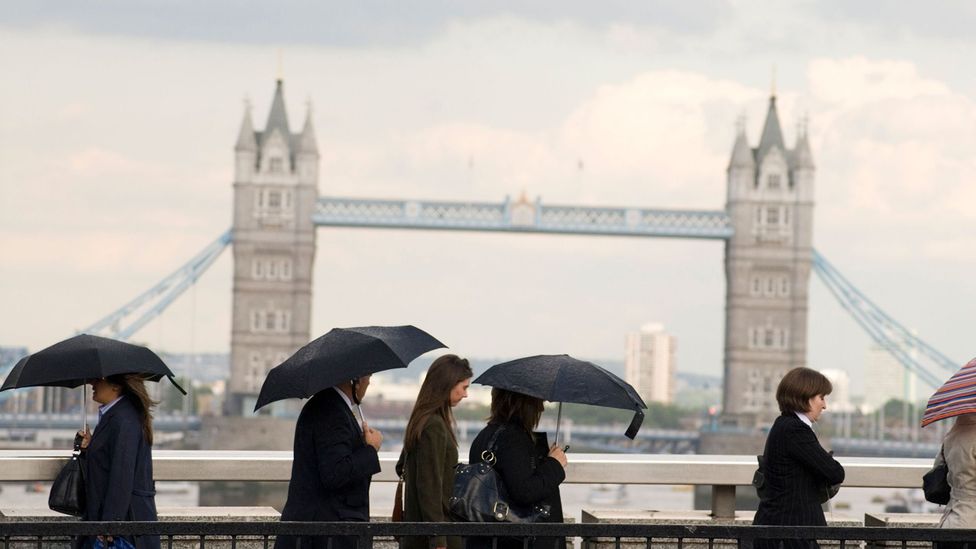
<point x="434" y="397"/>
<point x="507" y="406"/>
<point x="134" y="386"/>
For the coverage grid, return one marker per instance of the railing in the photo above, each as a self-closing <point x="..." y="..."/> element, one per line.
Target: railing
<point x="593" y="536"/>
<point x="723" y="473"/>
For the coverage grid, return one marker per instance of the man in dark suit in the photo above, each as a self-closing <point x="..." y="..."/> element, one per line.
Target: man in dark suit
<point x="335" y="459"/>
<point x="797" y="469"/>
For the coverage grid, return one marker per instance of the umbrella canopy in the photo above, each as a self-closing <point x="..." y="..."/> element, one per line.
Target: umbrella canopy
<point x="562" y="378"/>
<point x="341" y="355"/>
<point x="956" y="396"/>
<point x="71" y="362"/>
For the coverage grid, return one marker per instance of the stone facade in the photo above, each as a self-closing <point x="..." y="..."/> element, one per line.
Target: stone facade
<point x="767" y="269"/>
<point x="275" y="192"/>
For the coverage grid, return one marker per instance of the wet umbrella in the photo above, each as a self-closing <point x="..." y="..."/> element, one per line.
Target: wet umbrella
<point x="956" y="396"/>
<point x="72" y="362"/>
<point x="562" y="378"/>
<point x="341" y="355"/>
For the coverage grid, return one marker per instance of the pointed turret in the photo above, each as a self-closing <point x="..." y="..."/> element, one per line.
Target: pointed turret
<point x="772" y="135"/>
<point x="741" y="152"/>
<point x="278" y="117"/>
<point x="245" y="139"/>
<point x="802" y="157"/>
<point x="307" y="143"/>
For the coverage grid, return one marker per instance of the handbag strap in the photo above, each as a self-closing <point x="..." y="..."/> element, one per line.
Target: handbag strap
<point x="488" y="455"/>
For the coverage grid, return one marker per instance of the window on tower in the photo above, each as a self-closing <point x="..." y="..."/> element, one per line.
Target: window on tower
<point x="773" y="181"/>
<point x="276" y="164"/>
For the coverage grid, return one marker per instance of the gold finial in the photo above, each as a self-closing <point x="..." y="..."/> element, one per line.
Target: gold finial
<point x="772" y="85"/>
<point x="281" y="69"/>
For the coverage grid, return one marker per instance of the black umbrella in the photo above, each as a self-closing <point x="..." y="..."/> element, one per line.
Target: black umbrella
<point x="72" y="362"/>
<point x="341" y="355"/>
<point x="562" y="378"/>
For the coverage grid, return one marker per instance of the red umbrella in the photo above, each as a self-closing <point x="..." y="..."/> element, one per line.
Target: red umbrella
<point x="955" y="398"/>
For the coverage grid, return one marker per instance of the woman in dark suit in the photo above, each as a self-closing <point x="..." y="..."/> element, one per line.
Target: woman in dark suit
<point x="430" y="450"/>
<point x="797" y="469"/>
<point x="117" y="457"/>
<point x="530" y="470"/>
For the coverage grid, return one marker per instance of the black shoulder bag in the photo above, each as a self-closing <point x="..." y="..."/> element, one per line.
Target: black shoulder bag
<point x="480" y="494"/>
<point x="68" y="491"/>
<point x="935" y="483"/>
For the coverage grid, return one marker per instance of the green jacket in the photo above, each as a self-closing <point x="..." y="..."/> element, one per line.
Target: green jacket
<point x="428" y="482"/>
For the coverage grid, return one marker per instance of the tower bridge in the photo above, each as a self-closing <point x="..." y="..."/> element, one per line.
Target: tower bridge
<point x="767" y="227"/>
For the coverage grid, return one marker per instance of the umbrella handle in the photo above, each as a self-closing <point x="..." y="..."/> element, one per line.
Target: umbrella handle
<point x="559" y="415"/>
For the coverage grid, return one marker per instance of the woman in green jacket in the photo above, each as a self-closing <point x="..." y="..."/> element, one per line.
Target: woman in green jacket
<point x="430" y="450"/>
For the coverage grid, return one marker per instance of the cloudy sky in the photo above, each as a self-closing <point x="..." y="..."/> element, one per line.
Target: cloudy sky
<point x="119" y="122"/>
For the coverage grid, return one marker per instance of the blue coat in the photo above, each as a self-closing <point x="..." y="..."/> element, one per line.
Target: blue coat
<point x="118" y="471"/>
<point x="331" y="470"/>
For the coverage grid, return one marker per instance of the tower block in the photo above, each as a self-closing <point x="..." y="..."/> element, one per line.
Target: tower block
<point x="767" y="269"/>
<point x="276" y="176"/>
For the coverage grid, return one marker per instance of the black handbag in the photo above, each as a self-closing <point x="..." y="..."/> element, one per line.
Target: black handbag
<point x="759" y="478"/>
<point x="480" y="495"/>
<point x="68" y="491"/>
<point x="935" y="483"/>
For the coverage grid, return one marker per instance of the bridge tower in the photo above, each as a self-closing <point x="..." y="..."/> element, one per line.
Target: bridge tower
<point x="767" y="268"/>
<point x="275" y="191"/>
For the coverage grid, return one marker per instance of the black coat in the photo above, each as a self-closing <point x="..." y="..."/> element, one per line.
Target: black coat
<point x="797" y="470"/>
<point x="530" y="476"/>
<point x="331" y="471"/>
<point x="118" y="471"/>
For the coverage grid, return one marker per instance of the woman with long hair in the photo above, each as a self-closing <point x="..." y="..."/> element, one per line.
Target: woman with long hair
<point x="117" y="457"/>
<point x="530" y="469"/>
<point x="430" y="449"/>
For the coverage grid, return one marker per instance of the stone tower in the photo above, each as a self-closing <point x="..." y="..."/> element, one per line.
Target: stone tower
<point x="276" y="175"/>
<point x="767" y="269"/>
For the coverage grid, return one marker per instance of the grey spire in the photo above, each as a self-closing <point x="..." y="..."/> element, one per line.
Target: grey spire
<point x="278" y="117"/>
<point x="308" y="143"/>
<point x="802" y="157"/>
<point x="245" y="139"/>
<point x="772" y="135"/>
<point x="741" y="153"/>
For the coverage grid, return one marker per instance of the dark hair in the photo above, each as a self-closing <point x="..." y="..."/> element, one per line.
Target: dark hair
<point x="798" y="386"/>
<point x="434" y="397"/>
<point x="507" y="406"/>
<point x="134" y="386"/>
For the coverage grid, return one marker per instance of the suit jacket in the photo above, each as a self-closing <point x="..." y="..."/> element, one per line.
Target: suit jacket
<point x="530" y="476"/>
<point x="331" y="470"/>
<point x="959" y="447"/>
<point x="118" y="471"/>
<point x="797" y="469"/>
<point x="428" y="475"/>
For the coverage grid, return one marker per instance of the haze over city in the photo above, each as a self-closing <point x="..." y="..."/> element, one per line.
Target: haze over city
<point x="120" y="125"/>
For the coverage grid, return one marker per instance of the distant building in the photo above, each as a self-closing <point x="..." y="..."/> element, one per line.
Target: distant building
<point x="840" y="398"/>
<point x="650" y="363"/>
<point x="888" y="379"/>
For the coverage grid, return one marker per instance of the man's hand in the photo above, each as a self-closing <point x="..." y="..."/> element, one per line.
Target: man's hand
<point x="85" y="438"/>
<point x="372" y="437"/>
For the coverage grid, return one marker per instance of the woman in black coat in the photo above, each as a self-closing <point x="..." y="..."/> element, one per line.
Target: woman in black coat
<point x="797" y="470"/>
<point x="530" y="470"/>
<point x="117" y="458"/>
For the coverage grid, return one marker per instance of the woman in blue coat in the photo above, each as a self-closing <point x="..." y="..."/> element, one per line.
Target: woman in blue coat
<point x="117" y="457"/>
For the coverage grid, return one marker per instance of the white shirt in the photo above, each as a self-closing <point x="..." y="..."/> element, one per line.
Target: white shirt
<point x="356" y="412"/>
<point x="804" y="418"/>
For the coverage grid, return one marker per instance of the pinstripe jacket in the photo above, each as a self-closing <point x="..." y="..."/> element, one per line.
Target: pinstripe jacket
<point x="797" y="468"/>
